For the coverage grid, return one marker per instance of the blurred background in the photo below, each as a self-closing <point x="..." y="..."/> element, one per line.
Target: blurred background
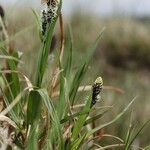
<point x="98" y="7"/>
<point x="122" y="57"/>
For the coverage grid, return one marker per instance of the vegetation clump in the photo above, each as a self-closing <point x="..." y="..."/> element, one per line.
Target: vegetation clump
<point x="37" y="114"/>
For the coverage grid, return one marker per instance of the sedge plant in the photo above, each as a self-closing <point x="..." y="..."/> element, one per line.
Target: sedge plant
<point x="36" y="117"/>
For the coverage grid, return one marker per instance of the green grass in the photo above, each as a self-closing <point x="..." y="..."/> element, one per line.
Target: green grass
<point x="45" y="121"/>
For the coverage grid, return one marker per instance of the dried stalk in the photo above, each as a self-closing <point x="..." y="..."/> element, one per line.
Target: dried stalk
<point x="57" y="71"/>
<point x="89" y="87"/>
<point x="62" y="37"/>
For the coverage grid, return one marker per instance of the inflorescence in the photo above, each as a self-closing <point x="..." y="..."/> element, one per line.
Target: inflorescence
<point x="49" y="14"/>
<point x="96" y="89"/>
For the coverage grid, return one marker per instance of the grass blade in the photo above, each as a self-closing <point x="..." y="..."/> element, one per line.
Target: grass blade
<point x="96" y="117"/>
<point x="76" y="83"/>
<point x="10" y="58"/>
<point x="77" y="144"/>
<point x="81" y="120"/>
<point x="136" y="134"/>
<point x="111" y="122"/>
<point x="71" y="117"/>
<point x="33" y="109"/>
<point x="56" y="126"/>
<point x="33" y="137"/>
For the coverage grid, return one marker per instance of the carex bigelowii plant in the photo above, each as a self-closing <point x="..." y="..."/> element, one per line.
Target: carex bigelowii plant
<point x="36" y="117"/>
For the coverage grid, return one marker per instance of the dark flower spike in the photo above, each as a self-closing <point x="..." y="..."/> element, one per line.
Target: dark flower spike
<point x="49" y="14"/>
<point x="96" y="89"/>
<point x="44" y="21"/>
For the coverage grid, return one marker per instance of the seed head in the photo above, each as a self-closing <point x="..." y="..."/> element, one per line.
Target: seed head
<point x="49" y="14"/>
<point x="44" y="22"/>
<point x="96" y="89"/>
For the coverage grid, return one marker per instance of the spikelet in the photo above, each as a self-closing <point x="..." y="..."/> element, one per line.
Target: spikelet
<point x="44" y="22"/>
<point x="96" y="89"/>
<point x="49" y="14"/>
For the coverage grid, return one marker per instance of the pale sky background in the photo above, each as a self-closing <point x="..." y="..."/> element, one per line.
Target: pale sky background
<point x="100" y="7"/>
